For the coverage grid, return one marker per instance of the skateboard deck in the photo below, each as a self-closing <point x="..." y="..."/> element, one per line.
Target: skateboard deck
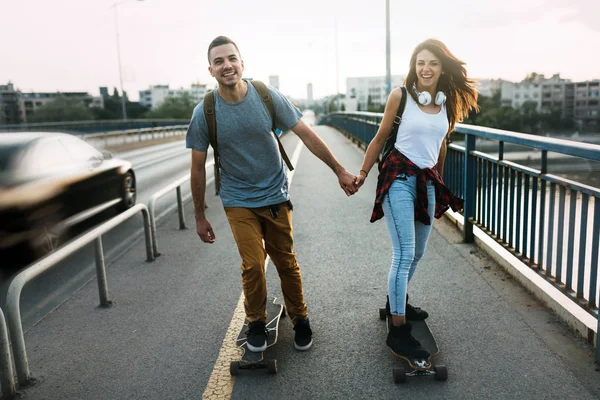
<point x="256" y="360"/>
<point x="418" y="366"/>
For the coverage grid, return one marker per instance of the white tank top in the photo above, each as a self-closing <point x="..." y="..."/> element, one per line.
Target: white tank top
<point x="420" y="135"/>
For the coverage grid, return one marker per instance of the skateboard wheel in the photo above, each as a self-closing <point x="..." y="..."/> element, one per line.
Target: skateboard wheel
<point x="272" y="366"/>
<point x="399" y="373"/>
<point x="234" y="368"/>
<point x="382" y="313"/>
<point x="441" y="372"/>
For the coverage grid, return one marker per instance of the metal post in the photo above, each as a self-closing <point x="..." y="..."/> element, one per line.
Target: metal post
<point x="388" y="68"/>
<point x="7" y="376"/>
<point x="101" y="274"/>
<point x="180" y="209"/>
<point x="337" y="71"/>
<point x="469" y="188"/>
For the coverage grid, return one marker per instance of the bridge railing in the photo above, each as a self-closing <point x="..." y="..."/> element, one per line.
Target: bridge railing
<point x="552" y="224"/>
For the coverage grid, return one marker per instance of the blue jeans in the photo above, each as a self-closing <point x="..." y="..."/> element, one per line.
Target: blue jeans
<point x="409" y="237"/>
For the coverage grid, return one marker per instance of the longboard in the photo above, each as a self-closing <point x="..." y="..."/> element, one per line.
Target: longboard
<point x="417" y="366"/>
<point x="256" y="360"/>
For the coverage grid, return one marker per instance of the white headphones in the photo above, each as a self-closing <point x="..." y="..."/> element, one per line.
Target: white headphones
<point x="425" y="97"/>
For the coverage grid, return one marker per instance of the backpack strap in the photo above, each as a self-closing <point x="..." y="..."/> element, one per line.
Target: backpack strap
<point x="265" y="95"/>
<point x="391" y="140"/>
<point x="401" y="108"/>
<point x="211" y="121"/>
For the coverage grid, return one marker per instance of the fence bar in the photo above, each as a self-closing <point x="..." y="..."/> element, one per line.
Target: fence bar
<point x="101" y="273"/>
<point x="469" y="189"/>
<point x="594" y="264"/>
<point x="585" y="200"/>
<point x="180" y="210"/>
<point x="550" y="240"/>
<point x="7" y="376"/>
<point x="526" y="225"/>
<point x="519" y="207"/>
<point x="571" y="247"/>
<point x="561" y="234"/>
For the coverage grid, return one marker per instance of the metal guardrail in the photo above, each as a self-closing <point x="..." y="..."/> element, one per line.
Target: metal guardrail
<point x="83" y="127"/>
<point x="522" y="208"/>
<point x="152" y="205"/>
<point x="115" y="138"/>
<point x="18" y="282"/>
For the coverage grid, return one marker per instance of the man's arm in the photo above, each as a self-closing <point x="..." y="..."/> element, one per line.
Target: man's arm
<point x="198" y="183"/>
<point x="318" y="147"/>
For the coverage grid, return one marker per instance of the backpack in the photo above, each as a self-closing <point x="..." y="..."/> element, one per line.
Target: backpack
<point x="211" y="120"/>
<point x="391" y="140"/>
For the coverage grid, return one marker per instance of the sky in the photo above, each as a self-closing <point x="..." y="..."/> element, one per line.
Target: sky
<point x="70" y="45"/>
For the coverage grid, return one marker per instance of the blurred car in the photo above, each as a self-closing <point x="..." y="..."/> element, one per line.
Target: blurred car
<point x="49" y="182"/>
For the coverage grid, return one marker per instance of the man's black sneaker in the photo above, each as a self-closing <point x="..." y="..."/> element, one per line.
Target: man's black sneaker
<point x="303" y="335"/>
<point x="403" y="343"/>
<point x="256" y="336"/>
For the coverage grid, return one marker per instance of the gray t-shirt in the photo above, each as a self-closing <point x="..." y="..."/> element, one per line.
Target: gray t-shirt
<point x="252" y="170"/>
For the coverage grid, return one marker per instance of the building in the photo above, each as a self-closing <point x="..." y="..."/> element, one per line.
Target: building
<point x="574" y="101"/>
<point x="487" y="87"/>
<point x="309" y="95"/>
<point x="370" y="91"/>
<point x="30" y="102"/>
<point x="274" y="81"/>
<point x="534" y="90"/>
<point x="586" y="100"/>
<point x="10" y="108"/>
<point x="154" y="96"/>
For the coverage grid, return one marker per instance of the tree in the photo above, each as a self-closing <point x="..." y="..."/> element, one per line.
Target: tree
<point x="62" y="109"/>
<point x="174" y="107"/>
<point x="534" y="76"/>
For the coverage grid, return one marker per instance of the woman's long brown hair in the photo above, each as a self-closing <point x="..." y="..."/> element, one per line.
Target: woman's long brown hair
<point x="461" y="94"/>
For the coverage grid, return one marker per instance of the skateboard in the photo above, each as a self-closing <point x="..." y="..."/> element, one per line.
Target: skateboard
<point x="251" y="360"/>
<point x="417" y="366"/>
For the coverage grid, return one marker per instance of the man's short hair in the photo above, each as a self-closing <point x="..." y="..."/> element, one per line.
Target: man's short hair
<point x="220" y="41"/>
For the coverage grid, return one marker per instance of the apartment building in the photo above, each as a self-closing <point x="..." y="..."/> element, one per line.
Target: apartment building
<point x="155" y="95"/>
<point x="10" y="111"/>
<point x="370" y="91"/>
<point x="576" y="101"/>
<point x="30" y="102"/>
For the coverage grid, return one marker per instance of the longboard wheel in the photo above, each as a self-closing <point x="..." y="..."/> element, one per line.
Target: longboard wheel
<point x="399" y="373"/>
<point x="272" y="366"/>
<point x="441" y="372"/>
<point x="382" y="313"/>
<point x="234" y="368"/>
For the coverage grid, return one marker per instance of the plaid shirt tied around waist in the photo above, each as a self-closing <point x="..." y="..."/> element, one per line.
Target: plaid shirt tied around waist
<point x="395" y="164"/>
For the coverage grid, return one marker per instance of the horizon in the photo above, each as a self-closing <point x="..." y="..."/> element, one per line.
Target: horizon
<point x="164" y="42"/>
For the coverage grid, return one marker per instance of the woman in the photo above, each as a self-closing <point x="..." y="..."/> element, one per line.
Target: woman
<point x="410" y="188"/>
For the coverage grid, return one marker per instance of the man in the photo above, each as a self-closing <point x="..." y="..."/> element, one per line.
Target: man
<point x="254" y="188"/>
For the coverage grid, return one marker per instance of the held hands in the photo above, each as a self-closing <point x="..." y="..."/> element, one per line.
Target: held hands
<point x="346" y="181"/>
<point x="360" y="178"/>
<point x="204" y="230"/>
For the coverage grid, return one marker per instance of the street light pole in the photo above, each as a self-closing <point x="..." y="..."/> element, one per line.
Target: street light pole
<point x="123" y="107"/>
<point x="123" y="101"/>
<point x="337" y="70"/>
<point x="388" y="72"/>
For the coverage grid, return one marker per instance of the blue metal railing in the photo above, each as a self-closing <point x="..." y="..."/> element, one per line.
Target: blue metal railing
<point x="550" y="223"/>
